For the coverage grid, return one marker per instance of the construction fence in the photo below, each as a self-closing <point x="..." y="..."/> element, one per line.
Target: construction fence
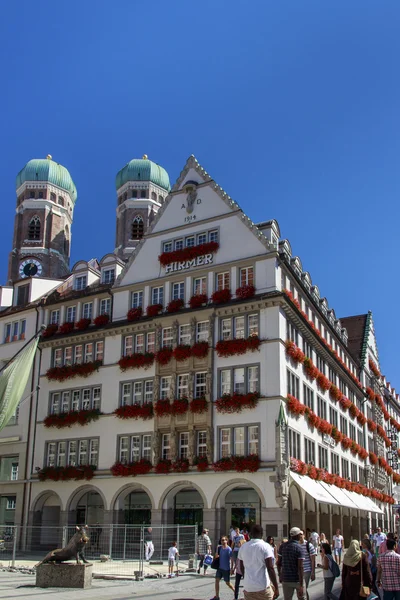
<point x="121" y="550"/>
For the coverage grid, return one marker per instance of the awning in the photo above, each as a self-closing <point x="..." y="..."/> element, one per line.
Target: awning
<point x="364" y="502"/>
<point x="339" y="495"/>
<point x="314" y="488"/>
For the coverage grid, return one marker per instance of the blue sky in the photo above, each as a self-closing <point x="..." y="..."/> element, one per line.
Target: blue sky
<point x="292" y="107"/>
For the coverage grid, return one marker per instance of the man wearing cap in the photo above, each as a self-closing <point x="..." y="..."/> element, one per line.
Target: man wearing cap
<point x="291" y="566"/>
<point x="203" y="548"/>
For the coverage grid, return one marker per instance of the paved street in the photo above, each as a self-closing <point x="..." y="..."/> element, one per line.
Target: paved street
<point x="194" y="587"/>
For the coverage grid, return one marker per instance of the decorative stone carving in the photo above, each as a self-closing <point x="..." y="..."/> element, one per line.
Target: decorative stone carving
<point x="191" y="446"/>
<point x="156" y="389"/>
<point x="191" y="384"/>
<point x="282" y="485"/>
<point x="157" y="447"/>
<point x="208" y="382"/>
<point x="210" y="443"/>
<point x="173" y="444"/>
<point x="211" y="330"/>
<point x="158" y="337"/>
<point x="193" y="325"/>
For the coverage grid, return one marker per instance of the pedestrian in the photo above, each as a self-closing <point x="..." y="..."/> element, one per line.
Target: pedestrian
<point x="356" y="573"/>
<point x="204" y="547"/>
<point x="378" y="538"/>
<point x="256" y="564"/>
<point x="309" y="554"/>
<point x="236" y="543"/>
<point x="237" y="572"/>
<point x="246" y="534"/>
<point x="224" y="554"/>
<point x="338" y="546"/>
<point x="290" y="566"/>
<point x="173" y="555"/>
<point x="389" y="572"/>
<point x="329" y="578"/>
<point x="383" y="546"/>
<point x="271" y="542"/>
<point x="148" y="543"/>
<point x="366" y="547"/>
<point x="314" y="539"/>
<point x="322" y="540"/>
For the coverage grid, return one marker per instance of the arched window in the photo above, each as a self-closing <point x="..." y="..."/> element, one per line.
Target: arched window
<point x="137" y="228"/>
<point x="153" y="196"/>
<point x="34" y="229"/>
<point x="160" y="199"/>
<point x="52" y="197"/>
<point x="60" y="200"/>
<point x="134" y="193"/>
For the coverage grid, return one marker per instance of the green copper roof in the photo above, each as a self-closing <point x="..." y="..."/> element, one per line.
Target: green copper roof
<point x="45" y="169"/>
<point x="143" y="169"/>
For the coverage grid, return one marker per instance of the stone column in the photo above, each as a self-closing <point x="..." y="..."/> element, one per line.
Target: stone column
<point x="272" y="521"/>
<point x="210" y="516"/>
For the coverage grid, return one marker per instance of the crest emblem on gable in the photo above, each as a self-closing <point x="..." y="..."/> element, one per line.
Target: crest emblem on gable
<point x="190" y="201"/>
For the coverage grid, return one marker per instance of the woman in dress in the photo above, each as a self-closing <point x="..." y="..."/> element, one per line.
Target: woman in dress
<point x="329" y="578"/>
<point x="355" y="570"/>
<point x="271" y="542"/>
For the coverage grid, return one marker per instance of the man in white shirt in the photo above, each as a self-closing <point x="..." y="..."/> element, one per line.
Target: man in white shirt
<point x="314" y="539"/>
<point x="337" y="546"/>
<point x="257" y="567"/>
<point x="378" y="539"/>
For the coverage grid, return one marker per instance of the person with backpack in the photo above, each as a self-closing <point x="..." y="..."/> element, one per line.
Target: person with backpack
<point x="330" y="569"/>
<point x="309" y="554"/>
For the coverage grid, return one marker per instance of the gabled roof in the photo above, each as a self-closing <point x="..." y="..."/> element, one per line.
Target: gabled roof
<point x="358" y="335"/>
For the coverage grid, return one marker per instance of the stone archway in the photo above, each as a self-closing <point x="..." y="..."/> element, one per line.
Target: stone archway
<point x="183" y="504"/>
<point x="239" y="503"/>
<point x="86" y="505"/>
<point x="132" y="505"/>
<point x="46" y="531"/>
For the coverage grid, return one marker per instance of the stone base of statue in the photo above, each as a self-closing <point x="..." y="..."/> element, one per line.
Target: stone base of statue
<point x="64" y="575"/>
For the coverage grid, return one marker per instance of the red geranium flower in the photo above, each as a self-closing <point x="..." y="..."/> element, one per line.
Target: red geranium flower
<point x="180" y="406"/>
<point x="136" y="361"/>
<point x="221" y="296"/>
<point x="66" y="327"/>
<point x="134" y="313"/>
<point x="246" y="291"/>
<point x="135" y="411"/>
<point x="101" y="320"/>
<point x="198" y="405"/>
<point x="164" y="355"/>
<point x="200" y="349"/>
<point x="188" y="253"/>
<point x="82" y="324"/>
<point x="198" y="300"/>
<point x="182" y="352"/>
<point x="163" y="466"/>
<point x="162" y="408"/>
<point x="50" y="330"/>
<point x="153" y="310"/>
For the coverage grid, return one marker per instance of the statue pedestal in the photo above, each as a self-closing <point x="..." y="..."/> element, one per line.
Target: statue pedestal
<point x="64" y="575"/>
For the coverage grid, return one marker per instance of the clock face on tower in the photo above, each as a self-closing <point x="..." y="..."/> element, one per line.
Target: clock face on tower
<point x="30" y="268"/>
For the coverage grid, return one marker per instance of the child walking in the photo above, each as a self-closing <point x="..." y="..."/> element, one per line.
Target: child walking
<point x="173" y="555"/>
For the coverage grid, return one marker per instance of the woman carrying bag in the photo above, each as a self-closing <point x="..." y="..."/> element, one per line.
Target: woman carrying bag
<point x="356" y="574"/>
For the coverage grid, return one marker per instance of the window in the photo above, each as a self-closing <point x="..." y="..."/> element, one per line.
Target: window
<point x="333" y="416"/>
<point x="252" y="322"/>
<point x="183" y="386"/>
<point x="308" y="394"/>
<point x="71" y="314"/>
<point x="322" y="410"/>
<point x="151" y="341"/>
<point x="200" y="385"/>
<point x="72" y="446"/>
<point x="11" y="503"/>
<point x="137" y="299"/>
<point x="108" y="275"/>
<point x="105" y="306"/>
<point x="354" y="472"/>
<point x="292" y="333"/>
<point x="64" y="453"/>
<point x="23" y="295"/>
<point x="335" y="463"/>
<point x="136" y="392"/>
<point x="199" y="286"/>
<point x="34" y="229"/>
<point x="87" y="310"/>
<point x="143" y="194"/>
<point x="223" y="281"/>
<point x="238" y="441"/>
<point x="201" y="444"/>
<point x="201" y="238"/>
<point x="157" y="295"/>
<point x="202" y="331"/>
<point x="31" y="194"/>
<point x="60" y="200"/>
<point x="14" y="331"/>
<point x="178" y="245"/>
<point x="165" y="386"/>
<point x="246" y="276"/>
<point x="51" y="454"/>
<point x="322" y="457"/>
<point x="167" y="247"/>
<point x="184" y="445"/>
<point x="343" y="425"/>
<point x="137" y="230"/>
<point x="345" y="468"/>
<point x="65" y="401"/>
<point x="309" y="451"/>
<point x="52" y="197"/>
<point x="342" y="386"/>
<point x="239" y="327"/>
<point x="55" y="317"/>
<point x="226" y="378"/>
<point x="83" y="452"/>
<point x="178" y="291"/>
<point x="320" y="364"/>
<point x="213" y="236"/>
<point x="352" y="432"/>
<point x="80" y="282"/>
<point x="99" y="350"/>
<point x="166" y="446"/>
<point x="360" y="437"/>
<point x="167" y="337"/>
<point x="79" y="399"/>
<point x="139" y="343"/>
<point x="14" y="471"/>
<point x="226" y="329"/>
<point x="238" y="380"/>
<point x="88" y="352"/>
<point x="294" y="444"/>
<point x="293" y="384"/>
<point x="332" y="375"/>
<point x="7" y="333"/>
<point x="58" y="357"/>
<point x="68" y="356"/>
<point x="189" y="241"/>
<point x="184" y="334"/>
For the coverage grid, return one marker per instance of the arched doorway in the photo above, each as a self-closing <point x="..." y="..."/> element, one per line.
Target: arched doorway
<point x="183" y="504"/>
<point x="46" y="531"/>
<point x="239" y="504"/>
<point x="132" y="506"/>
<point x="86" y="507"/>
<point x="294" y="506"/>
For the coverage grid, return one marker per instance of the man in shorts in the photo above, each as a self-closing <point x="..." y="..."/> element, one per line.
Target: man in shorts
<point x="224" y="553"/>
<point x="338" y="546"/>
<point x="203" y="548"/>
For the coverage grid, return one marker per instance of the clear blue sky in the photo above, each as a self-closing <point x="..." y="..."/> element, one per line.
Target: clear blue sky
<point x="292" y="107"/>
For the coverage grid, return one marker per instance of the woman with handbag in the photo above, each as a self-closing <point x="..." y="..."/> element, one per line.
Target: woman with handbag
<point x="356" y="574"/>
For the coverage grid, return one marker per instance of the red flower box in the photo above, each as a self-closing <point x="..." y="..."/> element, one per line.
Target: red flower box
<point x="136" y="361"/>
<point x="181" y="465"/>
<point x="153" y="310"/>
<point x="362" y="419"/>
<point x="182" y="352"/>
<point x="198" y="406"/>
<point x="221" y="296"/>
<point x="198" y="300"/>
<point x="164" y="355"/>
<point x="134" y="314"/>
<point x="323" y="382"/>
<point x="66" y="327"/>
<point x="371" y="425"/>
<point x="237" y="346"/>
<point x="175" y="305"/>
<point x="67" y="473"/>
<point x="240" y="464"/>
<point x="180" y="406"/>
<point x="294" y="352"/>
<point x="71" y="371"/>
<point x="335" y="393"/>
<point x="101" y="320"/>
<point x="185" y="254"/>
<point x="163" y="466"/>
<point x="310" y="369"/>
<point x="199" y="350"/>
<point x="82" y="324"/>
<point x="235" y="403"/>
<point x="162" y="408"/>
<point x="201" y="463"/>
<point x="135" y="411"/>
<point x="246" y="291"/>
<point x="72" y="417"/>
<point x="140" y="467"/>
<point x="50" y="330"/>
<point x="374" y="368"/>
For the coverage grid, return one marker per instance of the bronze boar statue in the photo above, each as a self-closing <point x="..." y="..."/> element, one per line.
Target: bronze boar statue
<point x="74" y="549"/>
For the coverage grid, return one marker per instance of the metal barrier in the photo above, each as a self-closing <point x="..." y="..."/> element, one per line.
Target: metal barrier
<point x="113" y="549"/>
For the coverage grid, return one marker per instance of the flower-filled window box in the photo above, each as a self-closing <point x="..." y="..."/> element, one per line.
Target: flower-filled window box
<point x="72" y="417"/>
<point x="140" y="467"/>
<point x="237" y="346"/>
<point x="374" y="368"/>
<point x="235" y="403"/>
<point x="134" y="314"/>
<point x="50" y="330"/>
<point x="198" y="406"/>
<point x="362" y="419"/>
<point x="353" y="410"/>
<point x="175" y="305"/>
<point x="163" y="408"/>
<point x="164" y="355"/>
<point x="371" y="425"/>
<point x="139" y="360"/>
<point x="310" y="369"/>
<point x="240" y="464"/>
<point x="82" y="324"/>
<point x="153" y="310"/>
<point x="72" y="371"/>
<point x="221" y="296"/>
<point x="21" y="336"/>
<point x="67" y="473"/>
<point x="66" y="327"/>
<point x="323" y="382"/>
<point x="181" y="465"/>
<point x="200" y="349"/>
<point x="246" y="291"/>
<point x="335" y="393"/>
<point x="201" y="463"/>
<point x="294" y="352"/>
<point x="182" y="352"/>
<point x="198" y="300"/>
<point x="163" y="467"/>
<point x="180" y="406"/>
<point x="188" y="253"/>
<point x="101" y="320"/>
<point x="135" y="411"/>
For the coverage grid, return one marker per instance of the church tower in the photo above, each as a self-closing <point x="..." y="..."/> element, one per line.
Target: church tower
<point x="46" y="197"/>
<point x="142" y="187"/>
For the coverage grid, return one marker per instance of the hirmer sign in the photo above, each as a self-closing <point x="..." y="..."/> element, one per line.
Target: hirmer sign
<point x="200" y="261"/>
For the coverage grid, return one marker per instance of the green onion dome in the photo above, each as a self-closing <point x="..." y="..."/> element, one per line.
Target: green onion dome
<point x="46" y="170"/>
<point x="143" y="169"/>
